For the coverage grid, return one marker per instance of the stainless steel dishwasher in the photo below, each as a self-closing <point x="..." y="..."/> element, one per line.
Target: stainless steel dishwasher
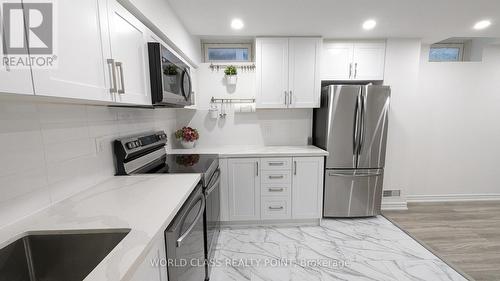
<point x="184" y="239"/>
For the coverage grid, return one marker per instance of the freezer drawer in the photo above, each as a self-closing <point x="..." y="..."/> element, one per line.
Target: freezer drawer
<point x="352" y="193"/>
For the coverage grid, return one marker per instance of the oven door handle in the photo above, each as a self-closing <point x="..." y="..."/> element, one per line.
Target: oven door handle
<point x="191" y="227"/>
<point x="214" y="183"/>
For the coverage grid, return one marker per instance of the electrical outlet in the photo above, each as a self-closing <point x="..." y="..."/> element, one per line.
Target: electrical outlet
<point x="100" y="145"/>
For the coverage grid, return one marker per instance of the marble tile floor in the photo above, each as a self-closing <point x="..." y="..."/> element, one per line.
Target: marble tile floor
<point x="339" y="249"/>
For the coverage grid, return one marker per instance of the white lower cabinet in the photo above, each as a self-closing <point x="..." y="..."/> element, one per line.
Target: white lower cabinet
<point x="307" y="187"/>
<point x="150" y="269"/>
<point x="244" y="189"/>
<point x="273" y="188"/>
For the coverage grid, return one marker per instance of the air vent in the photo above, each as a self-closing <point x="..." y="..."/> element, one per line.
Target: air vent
<point x="392" y="193"/>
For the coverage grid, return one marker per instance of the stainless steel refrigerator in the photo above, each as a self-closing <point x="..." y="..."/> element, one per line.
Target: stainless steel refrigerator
<point x="351" y="125"/>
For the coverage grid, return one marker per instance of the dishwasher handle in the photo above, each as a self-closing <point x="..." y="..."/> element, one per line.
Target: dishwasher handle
<point x="191" y="227"/>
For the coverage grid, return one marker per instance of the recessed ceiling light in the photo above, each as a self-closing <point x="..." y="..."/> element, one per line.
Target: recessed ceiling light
<point x="482" y="24"/>
<point x="237" y="24"/>
<point x="369" y="24"/>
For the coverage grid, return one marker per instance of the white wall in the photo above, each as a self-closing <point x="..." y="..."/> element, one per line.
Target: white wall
<point x="264" y="127"/>
<point x="458" y="131"/>
<point x="401" y="73"/>
<point x="49" y="151"/>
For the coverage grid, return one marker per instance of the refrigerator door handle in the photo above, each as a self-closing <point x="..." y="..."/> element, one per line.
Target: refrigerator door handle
<point x="355" y="128"/>
<point x="361" y="124"/>
<point x="354" y="175"/>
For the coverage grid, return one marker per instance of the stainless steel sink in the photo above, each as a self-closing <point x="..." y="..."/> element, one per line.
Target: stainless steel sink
<point x="57" y="256"/>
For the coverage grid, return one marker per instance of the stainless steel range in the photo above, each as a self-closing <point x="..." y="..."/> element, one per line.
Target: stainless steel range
<point x="194" y="231"/>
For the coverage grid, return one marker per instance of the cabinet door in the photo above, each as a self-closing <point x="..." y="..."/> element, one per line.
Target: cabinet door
<point x="307" y="187"/>
<point x="129" y="50"/>
<point x="15" y="80"/>
<point x="81" y="71"/>
<point x="272" y="72"/>
<point x="148" y="270"/>
<point x="369" y="61"/>
<point x="337" y="61"/>
<point x="304" y="78"/>
<point x="244" y="189"/>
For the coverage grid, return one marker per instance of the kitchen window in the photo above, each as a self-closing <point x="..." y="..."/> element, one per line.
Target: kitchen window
<point x="446" y="52"/>
<point x="226" y="52"/>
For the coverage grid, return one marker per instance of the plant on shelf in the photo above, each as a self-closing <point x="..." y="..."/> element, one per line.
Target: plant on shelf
<point x="187" y="136"/>
<point x="170" y="70"/>
<point x="231" y="74"/>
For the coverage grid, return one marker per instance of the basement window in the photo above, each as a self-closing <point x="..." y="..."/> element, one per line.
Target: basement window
<point x="227" y="52"/>
<point x="446" y="52"/>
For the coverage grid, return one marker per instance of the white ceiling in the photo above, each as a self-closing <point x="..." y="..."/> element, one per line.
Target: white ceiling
<point x="432" y="20"/>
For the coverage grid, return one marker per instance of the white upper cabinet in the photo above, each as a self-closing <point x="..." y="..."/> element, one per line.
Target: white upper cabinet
<point x="81" y="70"/>
<point x="337" y="61"/>
<point x="353" y="61"/>
<point x="129" y="53"/>
<point x="288" y="72"/>
<point x="304" y="72"/>
<point x="369" y="61"/>
<point x="101" y="51"/>
<point x="272" y="72"/>
<point x="14" y="79"/>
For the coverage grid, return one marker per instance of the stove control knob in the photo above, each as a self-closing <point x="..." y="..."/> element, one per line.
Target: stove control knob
<point x="130" y="145"/>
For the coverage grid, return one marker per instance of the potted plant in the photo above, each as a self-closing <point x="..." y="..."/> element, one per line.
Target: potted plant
<point x="187" y="136"/>
<point x="231" y="74"/>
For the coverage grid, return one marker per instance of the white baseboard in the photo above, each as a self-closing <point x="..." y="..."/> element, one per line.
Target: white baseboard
<point x="394" y="205"/>
<point x="452" y="198"/>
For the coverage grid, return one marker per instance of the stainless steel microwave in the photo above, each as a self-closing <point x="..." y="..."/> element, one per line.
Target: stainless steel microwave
<point x="170" y="78"/>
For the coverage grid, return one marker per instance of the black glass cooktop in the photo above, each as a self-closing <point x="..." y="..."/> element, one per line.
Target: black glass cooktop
<point x="182" y="163"/>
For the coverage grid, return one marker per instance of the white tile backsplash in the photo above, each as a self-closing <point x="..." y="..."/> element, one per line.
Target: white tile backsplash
<point x="49" y="150"/>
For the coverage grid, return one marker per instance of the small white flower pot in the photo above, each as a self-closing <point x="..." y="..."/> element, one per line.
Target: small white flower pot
<point x="231" y="79"/>
<point x="188" y="144"/>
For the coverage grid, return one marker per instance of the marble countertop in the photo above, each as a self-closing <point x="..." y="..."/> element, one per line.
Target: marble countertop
<point x="144" y="204"/>
<point x="231" y="151"/>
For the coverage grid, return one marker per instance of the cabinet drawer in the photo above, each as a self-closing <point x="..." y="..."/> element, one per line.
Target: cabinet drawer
<point x="276" y="189"/>
<point x="275" y="208"/>
<point x="276" y="163"/>
<point x="276" y="176"/>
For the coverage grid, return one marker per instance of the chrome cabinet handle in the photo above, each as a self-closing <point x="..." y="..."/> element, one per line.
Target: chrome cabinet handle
<point x="281" y="189"/>
<point x="355" y="70"/>
<point x="276" y="208"/>
<point x="276" y="163"/>
<point x="257" y="168"/>
<point x="276" y="177"/>
<point x="295" y="167"/>
<point x="119" y="66"/>
<point x="191" y="227"/>
<point x="286" y="98"/>
<point x="112" y="70"/>
<point x="290" y="95"/>
<point x="350" y="70"/>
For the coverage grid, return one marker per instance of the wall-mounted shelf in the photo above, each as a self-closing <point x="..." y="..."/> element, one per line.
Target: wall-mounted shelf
<point x="231" y="100"/>
<point x="218" y="67"/>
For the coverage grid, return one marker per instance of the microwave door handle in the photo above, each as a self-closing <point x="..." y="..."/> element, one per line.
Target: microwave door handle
<point x="191" y="227"/>
<point x="186" y="92"/>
